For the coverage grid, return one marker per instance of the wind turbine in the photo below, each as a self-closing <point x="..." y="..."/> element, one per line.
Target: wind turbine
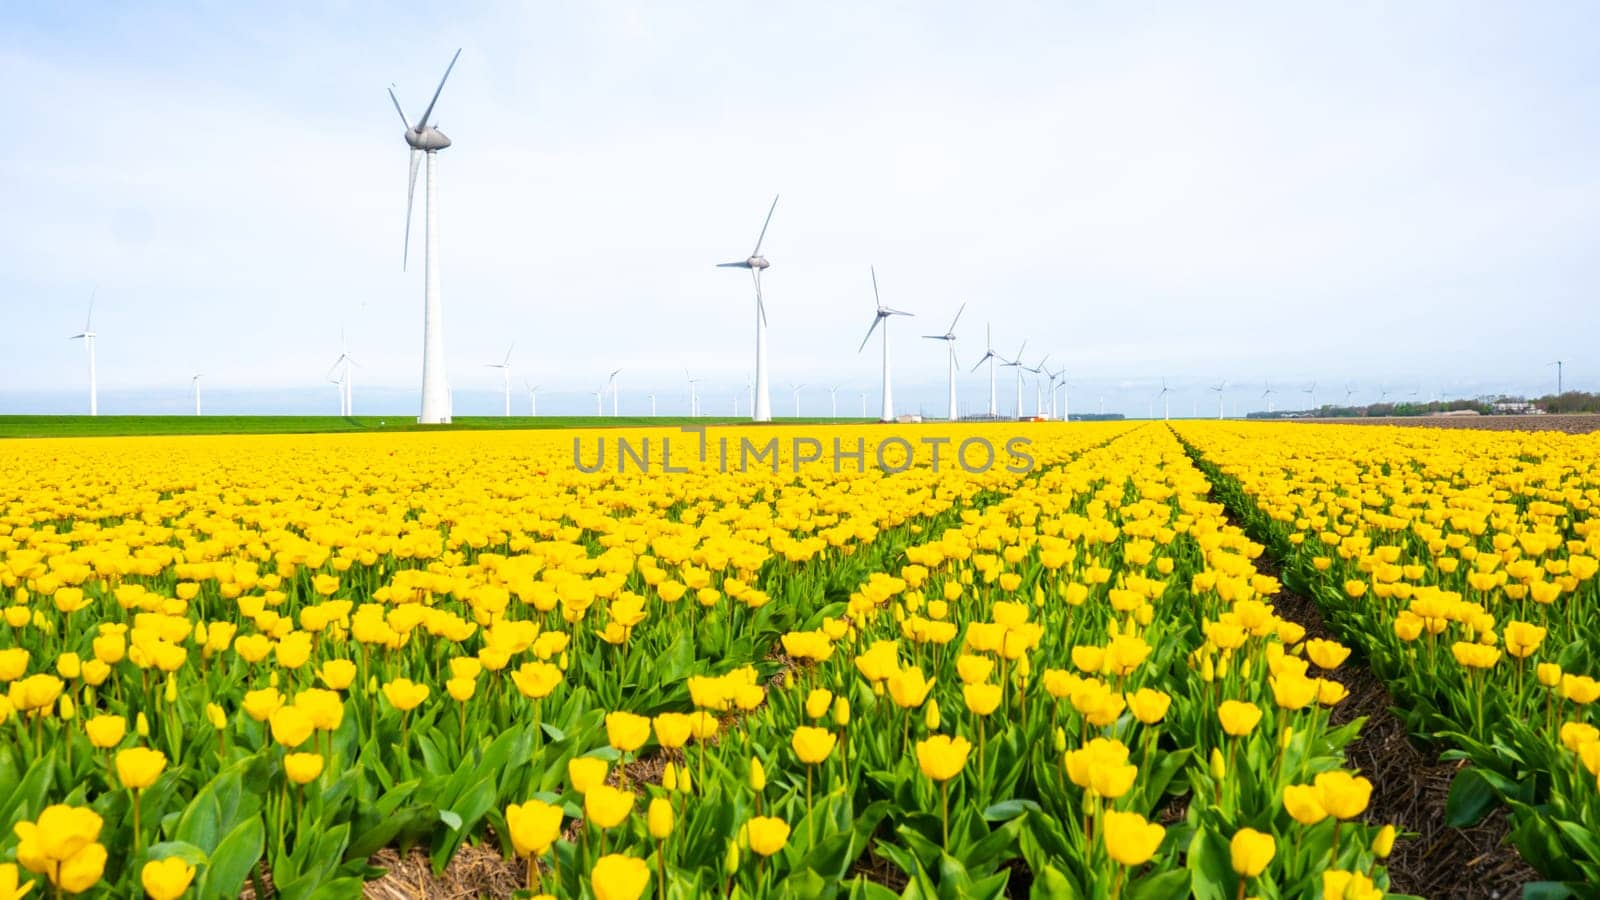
<point x="761" y="411"/>
<point x="1017" y="364"/>
<point x="346" y="382"/>
<point x="694" y="400"/>
<point x="1055" y="385"/>
<point x="599" y="402"/>
<point x="1311" y="394"/>
<point x="339" y="382"/>
<point x="949" y="338"/>
<point x="989" y="357"/>
<point x="652" y="406"/>
<point x="1557" y="364"/>
<point x="1166" y="401"/>
<point x="428" y="139"/>
<point x="833" y="401"/>
<point x="1267" y="395"/>
<point x="795" y="389"/>
<point x="863" y="404"/>
<point x="882" y="315"/>
<point x="612" y="384"/>
<point x="1348" y="393"/>
<point x="533" y="398"/>
<point x="505" y="371"/>
<point x="1219" y="388"/>
<point x="1038" y="407"/>
<point x="194" y="385"/>
<point x="87" y="336"/>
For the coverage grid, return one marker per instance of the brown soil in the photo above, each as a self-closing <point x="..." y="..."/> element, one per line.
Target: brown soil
<point x="1569" y="424"/>
<point x="475" y="871"/>
<point x="1410" y="785"/>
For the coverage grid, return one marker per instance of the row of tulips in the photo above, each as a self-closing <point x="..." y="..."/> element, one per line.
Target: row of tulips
<point x="1078" y="690"/>
<point x="1463" y="564"/>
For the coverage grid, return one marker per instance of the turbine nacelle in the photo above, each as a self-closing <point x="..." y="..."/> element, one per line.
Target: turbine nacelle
<point x="426" y="138"/>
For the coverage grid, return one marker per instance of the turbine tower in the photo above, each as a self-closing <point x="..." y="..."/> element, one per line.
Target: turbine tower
<point x="989" y="357"/>
<point x="1219" y="388"/>
<point x="833" y="401"/>
<point x="599" y="402"/>
<point x="1166" y="400"/>
<point x="505" y="371"/>
<point x="694" y="400"/>
<point x="1348" y="393"/>
<point x="533" y="398"/>
<point x="882" y="315"/>
<point x="87" y="336"/>
<point x="949" y="338"/>
<point x="652" y="406"/>
<point x="761" y="410"/>
<point x="1311" y="394"/>
<point x="194" y="385"/>
<point x="1017" y="364"/>
<point x="795" y="389"/>
<point x="1038" y="394"/>
<point x="428" y="139"/>
<point x="612" y="384"/>
<point x="1267" y="395"/>
<point x="1557" y="364"/>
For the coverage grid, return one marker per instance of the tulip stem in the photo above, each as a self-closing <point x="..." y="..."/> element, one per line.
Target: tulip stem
<point x="136" y="834"/>
<point x="944" y="811"/>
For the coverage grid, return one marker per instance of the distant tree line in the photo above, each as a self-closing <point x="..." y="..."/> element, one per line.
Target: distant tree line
<point x="1568" y="402"/>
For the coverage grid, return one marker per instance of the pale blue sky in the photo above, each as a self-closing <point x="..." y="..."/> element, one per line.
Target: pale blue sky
<point x="1377" y="193"/>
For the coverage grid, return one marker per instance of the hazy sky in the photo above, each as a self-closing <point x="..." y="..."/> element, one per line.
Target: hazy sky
<point x="1397" y="194"/>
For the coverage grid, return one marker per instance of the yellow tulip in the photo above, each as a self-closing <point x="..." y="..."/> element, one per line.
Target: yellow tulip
<point x="627" y="732"/>
<point x="942" y="757"/>
<point x="585" y="773"/>
<point x="404" y="694"/>
<point x="1238" y="718"/>
<point x="1129" y="839"/>
<point x="1304" y="803"/>
<point x="139" y="767"/>
<point x="982" y="699"/>
<point x="607" y="806"/>
<point x="291" y="726"/>
<point x="1342" y="794"/>
<point x="767" y="835"/>
<point x="534" y="827"/>
<point x="106" y="731"/>
<point x="1251" y="851"/>
<point x="618" y="877"/>
<point x="302" y="768"/>
<point x="813" y="745"/>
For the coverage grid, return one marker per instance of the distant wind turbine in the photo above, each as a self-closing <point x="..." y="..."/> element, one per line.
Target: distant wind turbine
<point x="1038" y="396"/>
<point x="1267" y="395"/>
<point x="1311" y="394"/>
<point x="694" y="399"/>
<point x="505" y="372"/>
<point x="652" y="406"/>
<point x="795" y="389"/>
<point x="194" y="385"/>
<point x="87" y="336"/>
<point x="346" y="382"/>
<point x="599" y="401"/>
<point x="533" y="399"/>
<point x="833" y="401"/>
<point x="1017" y="364"/>
<point x="1557" y="364"/>
<point x="1219" y="388"/>
<point x="989" y="356"/>
<point x="612" y="385"/>
<point x="1348" y="393"/>
<point x="882" y="315"/>
<point x="949" y="338"/>
<point x="429" y="140"/>
<point x="863" y="404"/>
<point x="756" y="263"/>
<point x="1166" y="401"/>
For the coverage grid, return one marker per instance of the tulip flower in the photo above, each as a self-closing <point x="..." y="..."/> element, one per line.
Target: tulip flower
<point x="942" y="758"/>
<point x="767" y="835"/>
<point x="1250" y="852"/>
<point x="619" y="877"/>
<point x="627" y="732"/>
<point x="166" y="879"/>
<point x="607" y="806"/>
<point x="1129" y="838"/>
<point x="585" y="773"/>
<point x="302" y="768"/>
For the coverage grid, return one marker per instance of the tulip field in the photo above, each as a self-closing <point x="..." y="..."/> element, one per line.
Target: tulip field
<point x="244" y="665"/>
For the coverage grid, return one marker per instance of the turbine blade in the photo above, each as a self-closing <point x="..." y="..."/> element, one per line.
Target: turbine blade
<point x="735" y="265"/>
<point x="875" y="299"/>
<point x="88" y="323"/>
<point x="875" y="321"/>
<point x="934" y="337"/>
<point x="981" y="361"/>
<point x="396" y="100"/>
<point x="953" y="322"/>
<point x="953" y="355"/>
<point x="411" y="195"/>
<point x="763" y="235"/>
<point x="761" y="306"/>
<point x="429" y="111"/>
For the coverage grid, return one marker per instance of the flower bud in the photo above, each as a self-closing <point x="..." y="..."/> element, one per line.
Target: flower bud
<point x="142" y="726"/>
<point x="930" y="715"/>
<point x="1219" y="766"/>
<point x="1384" y="842"/>
<point x="758" y="775"/>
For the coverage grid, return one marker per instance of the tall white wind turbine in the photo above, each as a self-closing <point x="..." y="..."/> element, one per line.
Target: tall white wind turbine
<point x="87" y="336"/>
<point x="1219" y="388"/>
<point x="882" y="315"/>
<point x="1038" y="392"/>
<point x="194" y="385"/>
<point x="761" y="411"/>
<point x="1267" y="395"/>
<point x="949" y="338"/>
<point x="426" y="139"/>
<point x="652" y="406"/>
<point x="1348" y="393"/>
<point x="795" y="389"/>
<point x="694" y="399"/>
<point x="533" y="398"/>
<point x="599" y="401"/>
<point x="1017" y="364"/>
<point x="612" y="384"/>
<point x="505" y="372"/>
<point x="1166" y="401"/>
<point x="833" y="401"/>
<point x="989" y="356"/>
<point x="1311" y="394"/>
